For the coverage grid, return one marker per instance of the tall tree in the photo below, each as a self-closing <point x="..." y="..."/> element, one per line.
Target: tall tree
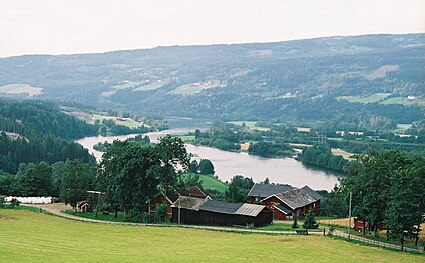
<point x="174" y="157"/>
<point x="129" y="174"/>
<point x="35" y="180"/>
<point x="77" y="179"/>
<point x="238" y="189"/>
<point x="206" y="167"/>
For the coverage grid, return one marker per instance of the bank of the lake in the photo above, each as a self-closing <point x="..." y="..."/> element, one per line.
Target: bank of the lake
<point x="228" y="164"/>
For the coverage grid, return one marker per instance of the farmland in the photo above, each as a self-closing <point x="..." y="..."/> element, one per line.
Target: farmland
<point x="368" y="99"/>
<point x="120" y="121"/>
<point x="38" y="237"/>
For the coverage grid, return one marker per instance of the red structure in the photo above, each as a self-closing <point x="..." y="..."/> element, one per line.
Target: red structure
<point x="286" y="201"/>
<point x="358" y="225"/>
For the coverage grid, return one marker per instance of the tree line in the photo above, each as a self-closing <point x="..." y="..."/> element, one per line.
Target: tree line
<point x="388" y="187"/>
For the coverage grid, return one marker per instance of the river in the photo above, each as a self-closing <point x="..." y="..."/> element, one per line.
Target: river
<point x="228" y="164"/>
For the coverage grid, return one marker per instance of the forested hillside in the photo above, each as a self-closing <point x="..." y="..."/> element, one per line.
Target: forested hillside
<point x="371" y="79"/>
<point x="35" y="131"/>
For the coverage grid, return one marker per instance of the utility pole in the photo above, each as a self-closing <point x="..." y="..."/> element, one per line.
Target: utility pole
<point x="349" y="218"/>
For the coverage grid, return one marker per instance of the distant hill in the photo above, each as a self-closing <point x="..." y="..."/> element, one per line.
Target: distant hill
<point x="34" y="131"/>
<point x="322" y="79"/>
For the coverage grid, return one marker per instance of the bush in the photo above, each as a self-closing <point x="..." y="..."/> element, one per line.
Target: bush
<point x="160" y="216"/>
<point x="2" y="201"/>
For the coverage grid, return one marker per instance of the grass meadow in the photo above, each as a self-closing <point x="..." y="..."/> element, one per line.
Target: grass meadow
<point x="33" y="237"/>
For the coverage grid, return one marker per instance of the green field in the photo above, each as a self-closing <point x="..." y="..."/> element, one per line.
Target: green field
<point x="128" y="123"/>
<point x="368" y="99"/>
<point x="32" y="237"/>
<point x="404" y="101"/>
<point x="210" y="182"/>
<point x="250" y="124"/>
<point x="192" y="88"/>
<point x="152" y="86"/>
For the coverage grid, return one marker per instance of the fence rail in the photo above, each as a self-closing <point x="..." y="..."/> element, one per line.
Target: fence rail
<point x="375" y="242"/>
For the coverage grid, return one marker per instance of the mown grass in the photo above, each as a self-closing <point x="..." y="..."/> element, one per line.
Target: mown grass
<point x="35" y="237"/>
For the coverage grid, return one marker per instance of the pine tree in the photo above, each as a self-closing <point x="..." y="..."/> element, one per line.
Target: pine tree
<point x="310" y="222"/>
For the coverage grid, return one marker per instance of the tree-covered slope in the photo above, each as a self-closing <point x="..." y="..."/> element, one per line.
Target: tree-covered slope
<point x="313" y="79"/>
<point x="35" y="131"/>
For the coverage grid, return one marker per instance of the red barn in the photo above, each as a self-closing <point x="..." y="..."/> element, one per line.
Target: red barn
<point x="288" y="201"/>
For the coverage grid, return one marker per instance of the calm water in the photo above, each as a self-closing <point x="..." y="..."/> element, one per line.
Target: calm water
<point x="229" y="164"/>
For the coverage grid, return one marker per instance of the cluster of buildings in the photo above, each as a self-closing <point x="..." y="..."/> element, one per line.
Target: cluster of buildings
<point x="267" y="202"/>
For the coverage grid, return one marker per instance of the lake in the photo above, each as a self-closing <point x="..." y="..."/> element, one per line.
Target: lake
<point x="228" y="164"/>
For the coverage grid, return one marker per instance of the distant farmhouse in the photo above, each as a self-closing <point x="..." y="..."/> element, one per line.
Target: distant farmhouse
<point x="286" y="201"/>
<point x="198" y="211"/>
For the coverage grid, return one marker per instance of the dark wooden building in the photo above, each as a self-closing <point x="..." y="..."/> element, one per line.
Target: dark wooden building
<point x="191" y="191"/>
<point x="196" y="211"/>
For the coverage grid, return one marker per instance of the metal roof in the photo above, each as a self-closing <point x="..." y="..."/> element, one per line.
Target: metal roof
<point x="266" y="190"/>
<point x="250" y="209"/>
<point x="220" y="207"/>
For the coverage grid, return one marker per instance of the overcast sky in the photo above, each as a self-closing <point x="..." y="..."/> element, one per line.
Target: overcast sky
<point x="81" y="26"/>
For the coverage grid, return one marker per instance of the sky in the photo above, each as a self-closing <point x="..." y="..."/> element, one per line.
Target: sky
<point x="86" y="26"/>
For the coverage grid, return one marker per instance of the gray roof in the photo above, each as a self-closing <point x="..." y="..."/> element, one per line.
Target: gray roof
<point x="295" y="198"/>
<point x="232" y="208"/>
<point x="266" y="190"/>
<point x="307" y="190"/>
<point x="220" y="207"/>
<point x="250" y="209"/>
<point x="283" y="209"/>
<point x="190" y="203"/>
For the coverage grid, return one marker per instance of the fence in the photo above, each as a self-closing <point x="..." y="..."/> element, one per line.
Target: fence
<point x="420" y="249"/>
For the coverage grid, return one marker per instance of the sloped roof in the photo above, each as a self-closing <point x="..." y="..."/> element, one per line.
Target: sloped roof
<point x="220" y="207"/>
<point x="193" y="191"/>
<point x="307" y="190"/>
<point x="232" y="208"/>
<point x="250" y="209"/>
<point x="190" y="203"/>
<point x="294" y="198"/>
<point x="266" y="190"/>
<point x="283" y="209"/>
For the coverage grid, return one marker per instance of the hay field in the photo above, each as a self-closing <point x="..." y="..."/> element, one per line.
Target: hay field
<point x="33" y="237"/>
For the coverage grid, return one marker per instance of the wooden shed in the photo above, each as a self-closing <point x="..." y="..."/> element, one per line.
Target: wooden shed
<point x="218" y="213"/>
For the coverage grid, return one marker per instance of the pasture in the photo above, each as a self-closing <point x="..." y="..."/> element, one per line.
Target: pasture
<point x="376" y="97"/>
<point x="193" y="88"/>
<point x="121" y="121"/>
<point x="151" y="86"/>
<point x="33" y="237"/>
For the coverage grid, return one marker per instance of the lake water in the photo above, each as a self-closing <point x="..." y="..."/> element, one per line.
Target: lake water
<point x="228" y="164"/>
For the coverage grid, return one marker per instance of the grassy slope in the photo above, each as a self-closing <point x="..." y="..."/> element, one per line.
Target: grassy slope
<point x="33" y="237"/>
<point x="210" y="182"/>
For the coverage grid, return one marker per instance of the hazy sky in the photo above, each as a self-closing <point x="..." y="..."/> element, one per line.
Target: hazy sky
<point x="81" y="26"/>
